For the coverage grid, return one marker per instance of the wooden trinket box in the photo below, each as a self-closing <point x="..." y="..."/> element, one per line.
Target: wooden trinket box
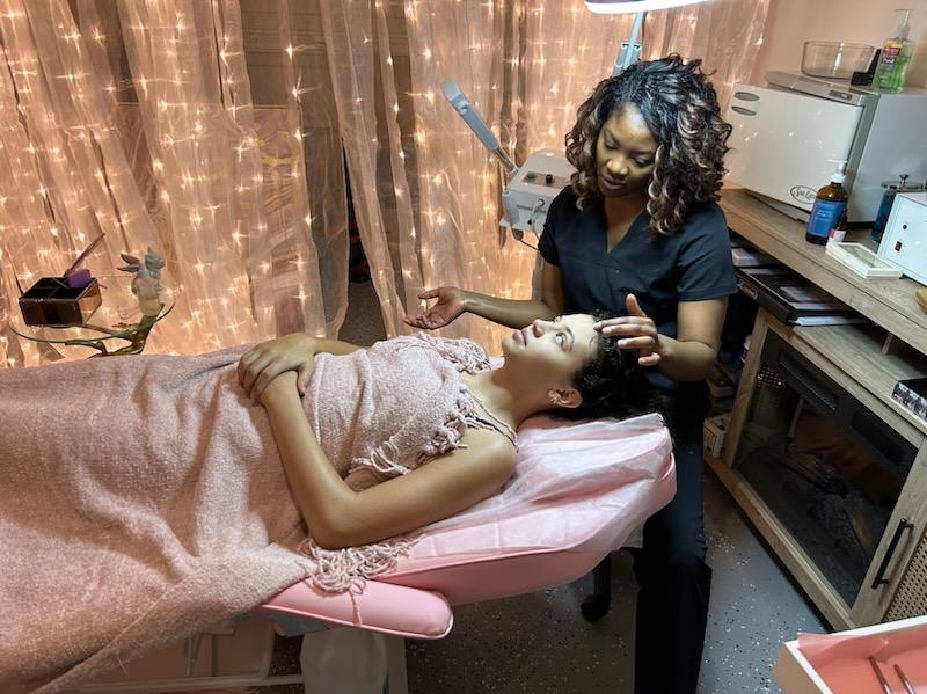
<point x="51" y="303"/>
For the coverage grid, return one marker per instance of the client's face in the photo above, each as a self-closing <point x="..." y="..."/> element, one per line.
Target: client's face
<point x="553" y="350"/>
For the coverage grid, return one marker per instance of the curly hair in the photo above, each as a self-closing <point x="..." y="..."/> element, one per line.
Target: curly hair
<point x="680" y="107"/>
<point x="613" y="384"/>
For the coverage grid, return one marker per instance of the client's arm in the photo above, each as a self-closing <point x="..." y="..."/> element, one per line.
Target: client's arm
<point x="265" y="361"/>
<point x="339" y="517"/>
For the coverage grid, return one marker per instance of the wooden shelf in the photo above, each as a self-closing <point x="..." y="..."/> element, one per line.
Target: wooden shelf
<point x="857" y="351"/>
<point x="889" y="303"/>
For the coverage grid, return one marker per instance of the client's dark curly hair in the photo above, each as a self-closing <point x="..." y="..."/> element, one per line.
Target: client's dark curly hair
<point x="613" y="384"/>
<point x="680" y="107"/>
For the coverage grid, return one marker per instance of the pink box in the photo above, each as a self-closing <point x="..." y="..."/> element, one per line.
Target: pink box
<point x="838" y="663"/>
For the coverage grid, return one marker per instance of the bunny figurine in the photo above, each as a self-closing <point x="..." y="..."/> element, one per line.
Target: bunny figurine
<point x="146" y="284"/>
<point x="154" y="262"/>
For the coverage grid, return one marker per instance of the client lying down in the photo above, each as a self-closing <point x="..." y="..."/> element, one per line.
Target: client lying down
<point x="143" y="498"/>
<point x="357" y="472"/>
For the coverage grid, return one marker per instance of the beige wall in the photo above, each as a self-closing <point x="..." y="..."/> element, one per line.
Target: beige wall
<point x="792" y="22"/>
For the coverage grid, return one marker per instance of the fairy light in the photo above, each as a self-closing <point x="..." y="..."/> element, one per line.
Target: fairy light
<point x="441" y="209"/>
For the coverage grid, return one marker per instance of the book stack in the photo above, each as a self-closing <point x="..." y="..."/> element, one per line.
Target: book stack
<point x="792" y="299"/>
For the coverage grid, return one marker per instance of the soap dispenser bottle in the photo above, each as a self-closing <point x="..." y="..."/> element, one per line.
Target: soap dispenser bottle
<point x="829" y="205"/>
<point x="896" y="56"/>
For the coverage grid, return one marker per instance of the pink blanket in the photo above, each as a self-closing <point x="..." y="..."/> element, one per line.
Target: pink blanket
<point x="142" y="499"/>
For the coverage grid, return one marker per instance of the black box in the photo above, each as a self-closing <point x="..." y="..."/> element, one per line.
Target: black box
<point x="912" y="395"/>
<point x="51" y="303"/>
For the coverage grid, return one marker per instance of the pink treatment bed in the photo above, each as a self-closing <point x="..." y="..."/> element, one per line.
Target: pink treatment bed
<point x="579" y="491"/>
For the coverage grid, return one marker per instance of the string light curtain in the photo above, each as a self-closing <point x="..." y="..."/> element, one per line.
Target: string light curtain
<point x="726" y="34"/>
<point x="427" y="193"/>
<point x="136" y="118"/>
<point x="212" y="130"/>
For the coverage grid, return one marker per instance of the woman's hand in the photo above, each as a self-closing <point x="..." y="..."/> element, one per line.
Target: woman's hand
<point x="264" y="362"/>
<point x="637" y="331"/>
<point x="451" y="304"/>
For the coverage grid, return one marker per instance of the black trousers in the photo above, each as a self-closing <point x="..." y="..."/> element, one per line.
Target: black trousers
<point x="672" y="605"/>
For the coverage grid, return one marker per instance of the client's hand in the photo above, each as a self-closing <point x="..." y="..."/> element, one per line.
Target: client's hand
<point x="264" y="362"/>
<point x="451" y="303"/>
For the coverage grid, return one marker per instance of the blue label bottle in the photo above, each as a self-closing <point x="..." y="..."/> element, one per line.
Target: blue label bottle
<point x="824" y="216"/>
<point x="830" y="204"/>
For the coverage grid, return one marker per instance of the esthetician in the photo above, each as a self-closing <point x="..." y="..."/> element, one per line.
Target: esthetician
<point x="637" y="234"/>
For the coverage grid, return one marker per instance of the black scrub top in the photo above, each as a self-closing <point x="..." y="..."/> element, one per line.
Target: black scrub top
<point x="693" y="264"/>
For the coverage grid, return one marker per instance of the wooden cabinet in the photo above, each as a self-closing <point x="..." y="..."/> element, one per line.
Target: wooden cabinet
<point x="853" y="358"/>
<point x="909" y="596"/>
<point x="870" y="604"/>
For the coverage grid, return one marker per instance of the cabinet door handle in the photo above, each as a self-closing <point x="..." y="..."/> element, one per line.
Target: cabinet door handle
<point x="743" y="111"/>
<point x="880" y="579"/>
